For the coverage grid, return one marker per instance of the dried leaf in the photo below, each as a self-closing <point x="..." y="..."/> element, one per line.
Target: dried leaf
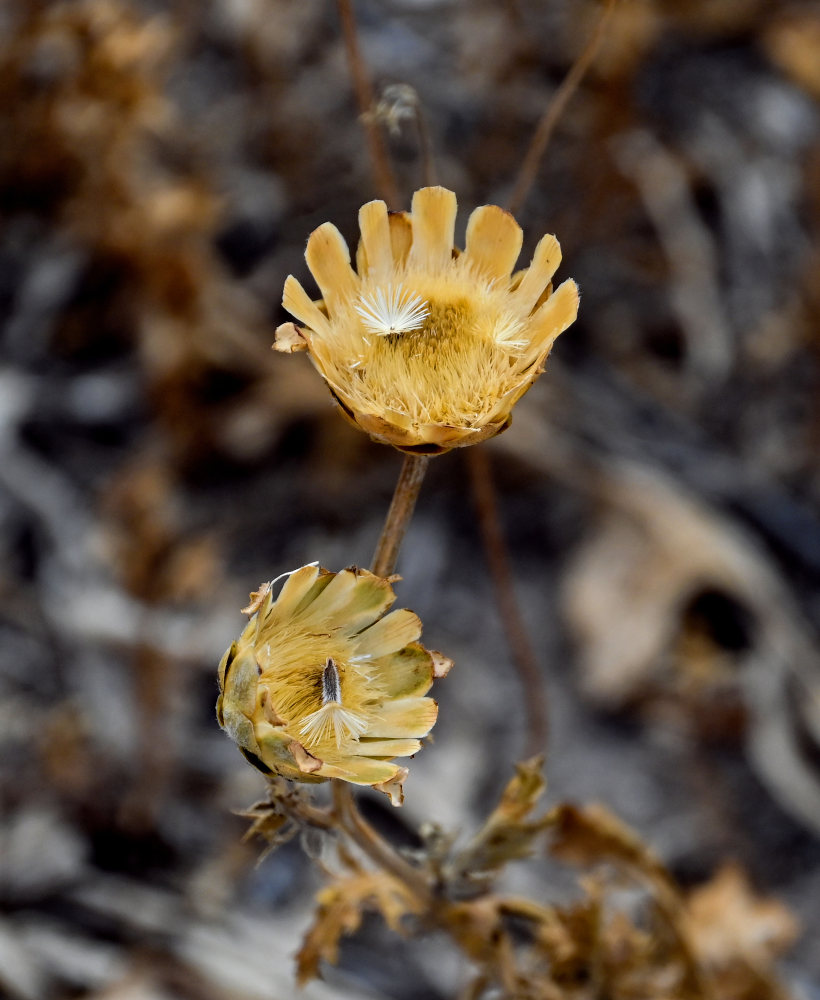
<point x="729" y="921"/>
<point x="507" y="834"/>
<point x="342" y="906"/>
<point x="591" y="834"/>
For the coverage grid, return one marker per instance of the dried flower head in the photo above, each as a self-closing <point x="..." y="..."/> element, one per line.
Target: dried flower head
<point x="428" y="348"/>
<point x="323" y="684"/>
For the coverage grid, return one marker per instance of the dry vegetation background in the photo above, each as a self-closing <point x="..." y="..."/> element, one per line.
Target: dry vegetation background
<point x="161" y="166"/>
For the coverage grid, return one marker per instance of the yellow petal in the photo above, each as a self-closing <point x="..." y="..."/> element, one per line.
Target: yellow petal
<point x="274" y="752"/>
<point x="372" y="596"/>
<point x="551" y="319"/>
<point x="391" y="633"/>
<point x="328" y="258"/>
<point x="404" y="717"/>
<point x="299" y="304"/>
<point x="241" y="682"/>
<point x="494" y="241"/>
<point x="359" y="770"/>
<point x="433" y="216"/>
<point x="388" y="748"/>
<point x="334" y="598"/>
<point x="294" y="590"/>
<point x="407" y="672"/>
<point x="376" y="244"/>
<point x="538" y="275"/>
<point x="352" y="600"/>
<point x="401" y="236"/>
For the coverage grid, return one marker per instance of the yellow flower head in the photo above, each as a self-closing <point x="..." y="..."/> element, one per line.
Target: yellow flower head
<point x="428" y="348"/>
<point x="323" y="683"/>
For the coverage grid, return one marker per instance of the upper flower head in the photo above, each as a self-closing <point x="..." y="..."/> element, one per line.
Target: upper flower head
<point x="428" y="348"/>
<point x="323" y="684"/>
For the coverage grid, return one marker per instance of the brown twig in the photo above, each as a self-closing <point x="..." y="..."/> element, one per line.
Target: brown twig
<point x="398" y="517"/>
<point x="382" y="171"/>
<point x="552" y="114"/>
<point x="524" y="658"/>
<point x="382" y="854"/>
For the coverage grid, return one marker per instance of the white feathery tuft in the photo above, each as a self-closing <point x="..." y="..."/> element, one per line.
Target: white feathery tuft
<point x="392" y="310"/>
<point x="332" y="719"/>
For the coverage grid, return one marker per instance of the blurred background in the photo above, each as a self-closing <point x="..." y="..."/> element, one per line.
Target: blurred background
<point x="161" y="167"/>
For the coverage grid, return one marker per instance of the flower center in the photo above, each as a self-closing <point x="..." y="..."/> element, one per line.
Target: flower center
<point x="332" y="720"/>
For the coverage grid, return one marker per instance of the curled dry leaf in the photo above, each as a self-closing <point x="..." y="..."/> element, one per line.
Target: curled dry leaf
<point x="508" y="833"/>
<point x="342" y="906"/>
<point x="591" y="834"/>
<point x="729" y="922"/>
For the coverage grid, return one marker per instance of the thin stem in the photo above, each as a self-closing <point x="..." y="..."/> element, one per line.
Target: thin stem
<point x="524" y="658"/>
<point x="384" y="562"/>
<point x="553" y="112"/>
<point x="377" y="148"/>
<point x="374" y="846"/>
<point x="428" y="158"/>
<point x="398" y="517"/>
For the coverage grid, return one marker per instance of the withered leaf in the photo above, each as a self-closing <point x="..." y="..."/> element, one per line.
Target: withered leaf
<point x="730" y="922"/>
<point x="591" y="835"/>
<point x="507" y="833"/>
<point x="341" y="908"/>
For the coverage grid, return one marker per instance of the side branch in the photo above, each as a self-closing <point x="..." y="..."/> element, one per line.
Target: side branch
<point x="377" y="149"/>
<point x="553" y="112"/>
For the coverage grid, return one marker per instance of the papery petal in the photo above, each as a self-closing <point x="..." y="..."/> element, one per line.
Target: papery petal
<point x="433" y="217"/>
<point x="328" y="258"/>
<point x="376" y="244"/>
<point x="538" y="275"/>
<point x="360" y="770"/>
<point x="494" y="241"/>
<point x="406" y="672"/>
<point x="389" y="748"/>
<point x="405" y="717"/>
<point x="299" y="304"/>
<point x="389" y="634"/>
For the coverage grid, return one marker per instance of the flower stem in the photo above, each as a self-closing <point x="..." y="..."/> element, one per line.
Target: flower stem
<point x="398" y="517"/>
<point x="523" y="654"/>
<point x="374" y="846"/>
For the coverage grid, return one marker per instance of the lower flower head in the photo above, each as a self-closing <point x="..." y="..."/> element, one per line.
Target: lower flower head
<point x="426" y="347"/>
<point x="323" y="683"/>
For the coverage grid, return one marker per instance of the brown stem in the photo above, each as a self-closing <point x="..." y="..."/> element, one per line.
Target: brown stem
<point x="524" y="658"/>
<point x="398" y="517"/>
<point x="553" y="112"/>
<point x="380" y="162"/>
<point x="428" y="158"/>
<point x="375" y="847"/>
<point x="384" y="562"/>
